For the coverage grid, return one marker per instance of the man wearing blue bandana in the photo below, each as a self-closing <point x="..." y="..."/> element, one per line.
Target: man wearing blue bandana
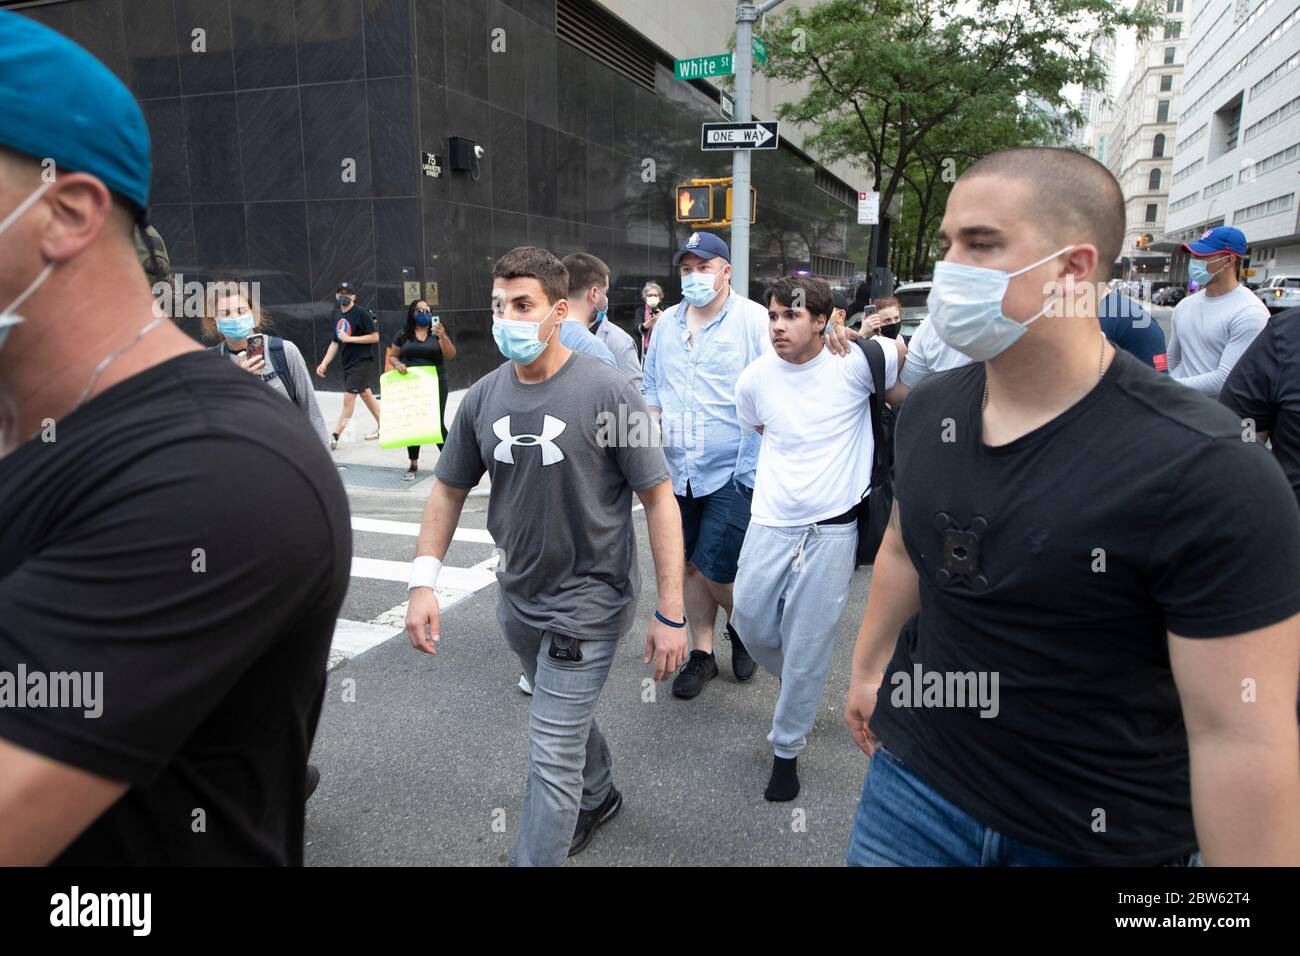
<point x="187" y="648"/>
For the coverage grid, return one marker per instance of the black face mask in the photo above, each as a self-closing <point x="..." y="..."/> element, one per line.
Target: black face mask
<point x="890" y="331"/>
<point x="342" y="300"/>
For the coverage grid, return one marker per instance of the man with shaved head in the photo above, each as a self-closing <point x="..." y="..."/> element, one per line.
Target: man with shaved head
<point x="1078" y="648"/>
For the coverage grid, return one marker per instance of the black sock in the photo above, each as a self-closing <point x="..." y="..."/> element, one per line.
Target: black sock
<point x="336" y="435"/>
<point x="784" y="784"/>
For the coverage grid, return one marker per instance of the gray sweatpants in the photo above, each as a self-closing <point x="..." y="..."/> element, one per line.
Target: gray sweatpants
<point x="790" y="592"/>
<point x="568" y="760"/>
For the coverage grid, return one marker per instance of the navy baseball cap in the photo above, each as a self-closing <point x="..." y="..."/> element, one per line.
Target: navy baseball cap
<point x="58" y="102"/>
<point x="1218" y="240"/>
<point x="703" y="244"/>
<point x="346" y="287"/>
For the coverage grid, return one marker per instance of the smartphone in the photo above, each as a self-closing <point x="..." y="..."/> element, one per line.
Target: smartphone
<point x="256" y="347"/>
<point x="869" y="309"/>
<point x="435" y="322"/>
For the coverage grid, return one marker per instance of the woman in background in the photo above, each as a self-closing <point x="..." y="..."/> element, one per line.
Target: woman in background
<point x="423" y="342"/>
<point x="652" y="297"/>
<point x="234" y="319"/>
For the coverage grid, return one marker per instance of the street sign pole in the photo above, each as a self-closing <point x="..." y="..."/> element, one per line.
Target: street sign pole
<point x="743" y="61"/>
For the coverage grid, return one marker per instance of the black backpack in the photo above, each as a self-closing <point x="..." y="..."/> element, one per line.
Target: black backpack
<point x="873" y="513"/>
<point x="279" y="362"/>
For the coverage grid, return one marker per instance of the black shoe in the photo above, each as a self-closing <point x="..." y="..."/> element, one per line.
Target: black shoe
<point x="700" y="667"/>
<point x="742" y="665"/>
<point x="591" y="820"/>
<point x="313" y="780"/>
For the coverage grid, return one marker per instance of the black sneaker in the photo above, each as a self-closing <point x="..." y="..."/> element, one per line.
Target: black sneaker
<point x="590" y="820"/>
<point x="700" y="667"/>
<point x="742" y="665"/>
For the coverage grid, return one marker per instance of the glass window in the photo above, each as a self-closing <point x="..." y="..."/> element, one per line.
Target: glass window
<point x="1166" y="82"/>
<point x="1152" y="211"/>
<point x="1153" y="181"/>
<point x="1162" y="111"/>
<point x="1169" y="54"/>
<point x="1158" y="147"/>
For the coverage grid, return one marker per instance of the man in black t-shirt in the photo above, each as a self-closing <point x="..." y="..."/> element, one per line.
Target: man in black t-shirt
<point x="355" y="333"/>
<point x="1079" y="647"/>
<point x="174" y="541"/>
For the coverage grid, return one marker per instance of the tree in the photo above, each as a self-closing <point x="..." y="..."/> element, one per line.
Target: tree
<point x="885" y="78"/>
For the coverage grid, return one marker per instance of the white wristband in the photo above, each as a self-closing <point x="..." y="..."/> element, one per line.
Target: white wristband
<point x="424" y="572"/>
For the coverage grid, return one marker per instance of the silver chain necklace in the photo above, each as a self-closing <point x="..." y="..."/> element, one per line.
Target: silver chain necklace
<point x="108" y="359"/>
<point x="1101" y="370"/>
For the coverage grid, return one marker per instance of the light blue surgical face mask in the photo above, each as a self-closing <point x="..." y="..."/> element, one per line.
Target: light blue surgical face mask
<point x="1200" y="273"/>
<point x="518" y="340"/>
<point x="698" y="289"/>
<point x="966" y="307"/>
<point x="9" y="317"/>
<point x="236" y="327"/>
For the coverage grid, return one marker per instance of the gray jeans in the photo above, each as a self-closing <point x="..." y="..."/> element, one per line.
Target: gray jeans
<point x="790" y="592"/>
<point x="568" y="760"/>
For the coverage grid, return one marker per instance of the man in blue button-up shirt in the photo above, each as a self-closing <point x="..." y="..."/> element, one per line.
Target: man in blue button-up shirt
<point x="697" y="352"/>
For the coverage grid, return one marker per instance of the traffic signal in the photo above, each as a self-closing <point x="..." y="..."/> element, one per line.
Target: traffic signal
<point x="694" y="203"/>
<point x="1143" y="241"/>
<point x="753" y="204"/>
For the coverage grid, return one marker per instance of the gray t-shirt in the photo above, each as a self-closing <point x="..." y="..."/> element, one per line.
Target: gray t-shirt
<point x="562" y="481"/>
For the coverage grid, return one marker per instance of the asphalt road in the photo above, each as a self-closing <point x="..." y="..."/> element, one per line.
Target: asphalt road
<point x="426" y="765"/>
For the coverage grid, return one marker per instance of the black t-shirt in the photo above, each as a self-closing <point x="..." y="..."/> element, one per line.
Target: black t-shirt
<point x="1265" y="386"/>
<point x="416" y="353"/>
<point x="1119" y="519"/>
<point x="187" y="536"/>
<point x="355" y="321"/>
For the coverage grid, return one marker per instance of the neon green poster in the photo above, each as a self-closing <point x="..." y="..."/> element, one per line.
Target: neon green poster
<point x="409" y="415"/>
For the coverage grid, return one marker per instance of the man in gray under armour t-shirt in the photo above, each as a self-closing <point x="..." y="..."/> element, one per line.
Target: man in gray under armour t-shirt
<point x="566" y="440"/>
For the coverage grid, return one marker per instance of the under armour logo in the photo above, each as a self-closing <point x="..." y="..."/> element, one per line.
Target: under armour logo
<point x="552" y="428"/>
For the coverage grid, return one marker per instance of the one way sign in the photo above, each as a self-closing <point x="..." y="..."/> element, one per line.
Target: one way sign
<point x="753" y="135"/>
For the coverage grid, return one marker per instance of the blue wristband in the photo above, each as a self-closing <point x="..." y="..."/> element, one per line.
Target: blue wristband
<point x="659" y="617"/>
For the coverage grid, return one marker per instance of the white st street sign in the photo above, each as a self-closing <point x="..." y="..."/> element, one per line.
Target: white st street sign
<point x="753" y="135"/>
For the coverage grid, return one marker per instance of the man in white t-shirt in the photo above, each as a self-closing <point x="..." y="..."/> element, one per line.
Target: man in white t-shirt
<point x="927" y="354"/>
<point x="1214" y="327"/>
<point x="814" y="467"/>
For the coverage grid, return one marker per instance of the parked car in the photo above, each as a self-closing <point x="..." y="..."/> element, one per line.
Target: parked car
<point x="1279" y="293"/>
<point x="913" y="299"/>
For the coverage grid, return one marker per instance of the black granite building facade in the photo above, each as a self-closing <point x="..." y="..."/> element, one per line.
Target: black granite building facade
<point x="289" y="139"/>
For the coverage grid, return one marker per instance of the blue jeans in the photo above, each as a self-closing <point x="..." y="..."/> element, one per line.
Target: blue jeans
<point x="903" y="821"/>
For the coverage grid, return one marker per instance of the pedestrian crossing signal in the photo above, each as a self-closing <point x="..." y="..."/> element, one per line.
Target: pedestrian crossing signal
<point x="694" y="203"/>
<point x="753" y="204"/>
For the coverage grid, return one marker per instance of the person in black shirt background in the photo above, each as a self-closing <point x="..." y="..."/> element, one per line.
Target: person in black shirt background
<point x="356" y="333"/>
<point x="423" y="341"/>
<point x="1263" y="390"/>
<point x="1082" y="639"/>
<point x="172" y="534"/>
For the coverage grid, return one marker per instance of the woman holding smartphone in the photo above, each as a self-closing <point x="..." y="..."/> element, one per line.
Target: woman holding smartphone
<point x="241" y="330"/>
<point x="423" y="342"/>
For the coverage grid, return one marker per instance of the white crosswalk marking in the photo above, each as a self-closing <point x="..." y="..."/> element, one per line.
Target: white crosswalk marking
<point x="454" y="585"/>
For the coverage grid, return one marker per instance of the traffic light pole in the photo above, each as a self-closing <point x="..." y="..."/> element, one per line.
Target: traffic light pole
<point x="743" y="60"/>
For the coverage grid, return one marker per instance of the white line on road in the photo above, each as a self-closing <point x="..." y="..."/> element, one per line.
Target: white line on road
<point x="411" y="529"/>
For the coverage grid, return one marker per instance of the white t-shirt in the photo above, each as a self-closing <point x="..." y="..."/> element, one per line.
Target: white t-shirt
<point x="815" y="460"/>
<point x="927" y="354"/>
<point x="1210" y="335"/>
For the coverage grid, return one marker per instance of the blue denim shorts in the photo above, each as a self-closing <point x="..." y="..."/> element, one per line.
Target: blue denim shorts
<point x="714" y="527"/>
